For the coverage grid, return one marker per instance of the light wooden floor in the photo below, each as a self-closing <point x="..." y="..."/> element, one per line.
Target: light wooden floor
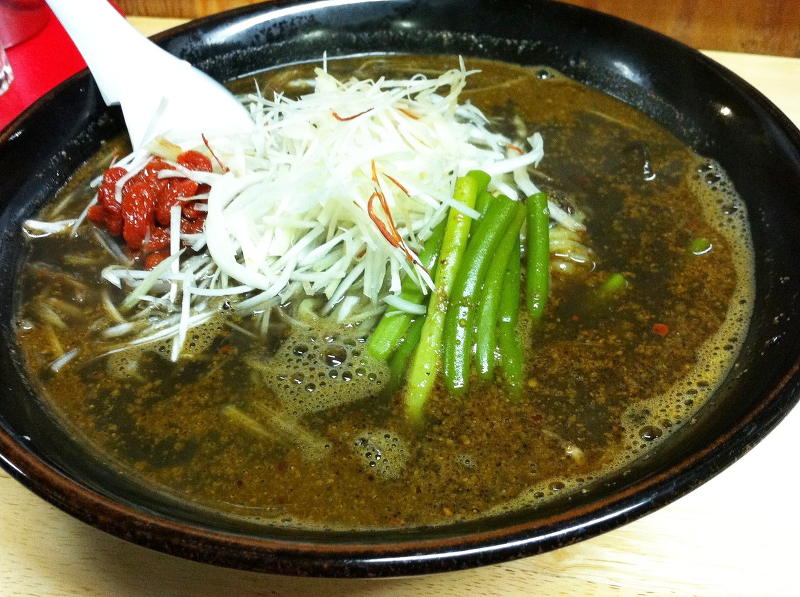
<point x="765" y="27"/>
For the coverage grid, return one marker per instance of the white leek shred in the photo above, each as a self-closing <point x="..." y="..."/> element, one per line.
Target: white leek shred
<point x="39" y="228"/>
<point x="56" y="365"/>
<point x="149" y="281"/>
<point x="174" y="246"/>
<point x="308" y="199"/>
<point x="403" y="305"/>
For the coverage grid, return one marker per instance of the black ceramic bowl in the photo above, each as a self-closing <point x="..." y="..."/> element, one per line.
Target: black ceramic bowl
<point x="758" y="146"/>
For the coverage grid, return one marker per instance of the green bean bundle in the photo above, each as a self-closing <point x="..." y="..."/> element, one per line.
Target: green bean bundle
<point x="493" y="290"/>
<point x="425" y="364"/>
<point x="460" y="321"/>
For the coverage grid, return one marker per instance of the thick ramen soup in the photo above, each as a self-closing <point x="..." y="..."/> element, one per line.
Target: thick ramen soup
<point x="212" y="323"/>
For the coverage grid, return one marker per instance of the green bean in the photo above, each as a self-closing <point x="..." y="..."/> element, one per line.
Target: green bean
<point x="482" y="202"/>
<point x="460" y="322"/>
<point x="481" y="179"/>
<point x="384" y="340"/>
<point x="425" y="364"/>
<point x="538" y="255"/>
<point x="509" y="352"/>
<point x="612" y="285"/>
<point x="486" y="334"/>
<point x="398" y="362"/>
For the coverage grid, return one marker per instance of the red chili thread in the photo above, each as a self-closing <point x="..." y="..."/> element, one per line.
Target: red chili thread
<point x="390" y="233"/>
<point x="401" y="187"/>
<point x="346" y="118"/>
<point x="221" y="165"/>
<point x="407" y="113"/>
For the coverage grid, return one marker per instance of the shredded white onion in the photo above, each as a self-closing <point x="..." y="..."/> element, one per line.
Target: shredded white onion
<point x="59" y="363"/>
<point x="39" y="228"/>
<point x="404" y="305"/>
<point x="328" y="194"/>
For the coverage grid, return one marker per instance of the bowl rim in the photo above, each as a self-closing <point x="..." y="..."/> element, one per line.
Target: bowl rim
<point x="417" y="555"/>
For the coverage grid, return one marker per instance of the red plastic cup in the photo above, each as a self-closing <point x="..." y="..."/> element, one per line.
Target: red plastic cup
<point x="21" y="20"/>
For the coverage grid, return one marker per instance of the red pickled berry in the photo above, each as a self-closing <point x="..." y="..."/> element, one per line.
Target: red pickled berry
<point x="145" y="176"/>
<point x="112" y="175"/>
<point x="158" y="185"/>
<point x="164" y="208"/>
<point x="186" y="187"/>
<point x="170" y="195"/>
<point x="138" y="207"/>
<point x="159" y="239"/>
<point x="192" y="226"/>
<point x="130" y="183"/>
<point x="153" y="259"/>
<point x="156" y="165"/>
<point x="96" y="215"/>
<point x="105" y="194"/>
<point x="190" y="211"/>
<point x="194" y="160"/>
<point x="150" y="172"/>
<point x="114" y="223"/>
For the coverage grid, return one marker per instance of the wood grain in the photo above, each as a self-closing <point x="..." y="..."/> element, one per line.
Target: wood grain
<point x="735" y="536"/>
<point x="766" y="27"/>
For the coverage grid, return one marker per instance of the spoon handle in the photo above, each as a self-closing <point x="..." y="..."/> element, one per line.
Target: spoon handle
<point x="158" y="92"/>
<point x="108" y="43"/>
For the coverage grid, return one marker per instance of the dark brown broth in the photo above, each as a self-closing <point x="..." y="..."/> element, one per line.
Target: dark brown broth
<point x="595" y="368"/>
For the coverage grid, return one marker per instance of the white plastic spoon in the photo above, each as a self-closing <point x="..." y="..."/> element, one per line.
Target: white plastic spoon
<point x="158" y="92"/>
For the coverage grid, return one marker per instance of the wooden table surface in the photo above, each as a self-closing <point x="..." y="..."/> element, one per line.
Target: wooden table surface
<point x="771" y="27"/>
<point x="734" y="536"/>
